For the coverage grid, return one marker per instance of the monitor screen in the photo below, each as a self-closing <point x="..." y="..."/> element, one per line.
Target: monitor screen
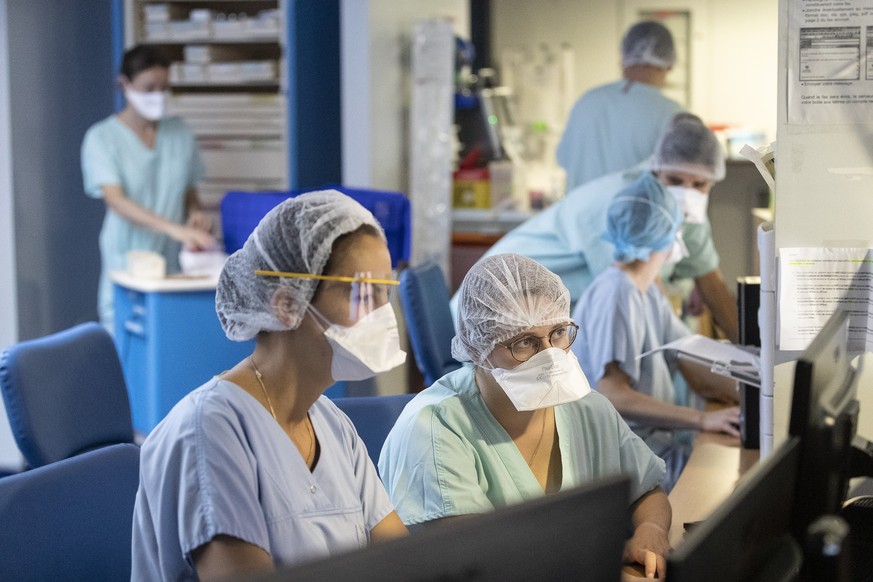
<point x="574" y="534"/>
<point x="824" y="415"/>
<point x="747" y="538"/>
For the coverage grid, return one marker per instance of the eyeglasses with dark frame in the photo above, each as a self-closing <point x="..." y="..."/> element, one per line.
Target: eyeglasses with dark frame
<point x="527" y="346"/>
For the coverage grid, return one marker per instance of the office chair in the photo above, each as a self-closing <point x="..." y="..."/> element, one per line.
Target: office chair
<point x="65" y="394"/>
<point x="70" y="520"/>
<point x="373" y="417"/>
<point x="424" y="297"/>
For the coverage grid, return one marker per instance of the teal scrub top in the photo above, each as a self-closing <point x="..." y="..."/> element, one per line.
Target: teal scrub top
<point x="219" y="464"/>
<point x="612" y="127"/>
<point x="156" y="179"/>
<point x="566" y="237"/>
<point x="447" y="455"/>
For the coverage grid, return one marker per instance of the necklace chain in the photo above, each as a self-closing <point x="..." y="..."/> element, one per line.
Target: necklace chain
<point x="540" y="441"/>
<point x="309" y="430"/>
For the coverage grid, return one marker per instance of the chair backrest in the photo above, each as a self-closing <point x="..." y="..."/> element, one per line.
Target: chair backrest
<point x="65" y="394"/>
<point x="424" y="297"/>
<point x="373" y="417"/>
<point x="242" y="211"/>
<point x="70" y="520"/>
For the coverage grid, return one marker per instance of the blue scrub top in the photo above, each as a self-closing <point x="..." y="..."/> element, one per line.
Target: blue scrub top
<point x="219" y="464"/>
<point x="612" y="127"/>
<point x="156" y="179"/>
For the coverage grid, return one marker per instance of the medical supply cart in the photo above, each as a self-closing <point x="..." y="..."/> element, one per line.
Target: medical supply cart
<point x="169" y="341"/>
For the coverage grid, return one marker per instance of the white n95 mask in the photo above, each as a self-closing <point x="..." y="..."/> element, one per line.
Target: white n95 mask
<point x="151" y="105"/>
<point x="367" y="348"/>
<point x="692" y="201"/>
<point x="551" y="377"/>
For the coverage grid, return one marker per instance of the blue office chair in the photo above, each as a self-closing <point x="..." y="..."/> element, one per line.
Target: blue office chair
<point x="424" y="297"/>
<point x="373" y="417"/>
<point x="65" y="394"/>
<point x="70" y="520"/>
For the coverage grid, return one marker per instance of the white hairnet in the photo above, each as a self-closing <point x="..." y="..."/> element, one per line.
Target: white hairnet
<point x="688" y="146"/>
<point x="501" y="297"/>
<point x="648" y="43"/>
<point x="296" y="236"/>
<point x="641" y="219"/>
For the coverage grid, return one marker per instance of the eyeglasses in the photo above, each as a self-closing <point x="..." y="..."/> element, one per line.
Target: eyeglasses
<point x="527" y="346"/>
<point x="366" y="294"/>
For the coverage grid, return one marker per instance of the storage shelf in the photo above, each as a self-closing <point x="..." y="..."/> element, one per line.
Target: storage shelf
<point x="213" y="40"/>
<point x="228" y="85"/>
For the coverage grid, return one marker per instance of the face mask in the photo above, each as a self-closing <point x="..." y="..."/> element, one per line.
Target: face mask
<point x="692" y="202"/>
<point x="551" y="377"/>
<point x="151" y="105"/>
<point x="367" y="348"/>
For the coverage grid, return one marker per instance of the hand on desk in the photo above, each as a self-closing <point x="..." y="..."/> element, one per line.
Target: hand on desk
<point x="726" y="420"/>
<point x="648" y="546"/>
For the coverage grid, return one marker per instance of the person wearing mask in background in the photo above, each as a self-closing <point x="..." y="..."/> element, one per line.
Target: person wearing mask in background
<point x="623" y="315"/>
<point x="501" y="431"/>
<point x="145" y="167"/>
<point x="256" y="469"/>
<point x="615" y="126"/>
<point x="566" y="237"/>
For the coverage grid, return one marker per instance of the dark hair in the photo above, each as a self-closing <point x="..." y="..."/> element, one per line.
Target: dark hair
<point x="140" y="58"/>
<point x="339" y="247"/>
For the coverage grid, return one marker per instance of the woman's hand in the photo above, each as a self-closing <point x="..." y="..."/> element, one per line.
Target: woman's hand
<point x="726" y="420"/>
<point x="192" y="238"/>
<point x="649" y="546"/>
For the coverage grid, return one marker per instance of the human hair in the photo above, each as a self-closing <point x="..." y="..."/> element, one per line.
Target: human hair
<point x="341" y="244"/>
<point x="140" y="58"/>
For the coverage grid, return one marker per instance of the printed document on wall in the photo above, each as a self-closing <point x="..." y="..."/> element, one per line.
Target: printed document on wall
<point x="815" y="282"/>
<point x="830" y="61"/>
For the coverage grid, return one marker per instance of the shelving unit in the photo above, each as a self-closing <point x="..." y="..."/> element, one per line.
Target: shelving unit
<point x="229" y="82"/>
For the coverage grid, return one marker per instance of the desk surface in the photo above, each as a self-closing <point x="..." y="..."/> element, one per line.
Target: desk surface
<point x="709" y="477"/>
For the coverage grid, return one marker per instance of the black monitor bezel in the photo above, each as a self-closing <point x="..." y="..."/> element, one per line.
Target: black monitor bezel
<point x="577" y="532"/>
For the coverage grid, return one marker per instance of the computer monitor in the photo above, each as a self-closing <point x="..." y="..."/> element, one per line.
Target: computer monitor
<point x="824" y="414"/>
<point x="758" y="532"/>
<point x="747" y="538"/>
<point x="574" y="534"/>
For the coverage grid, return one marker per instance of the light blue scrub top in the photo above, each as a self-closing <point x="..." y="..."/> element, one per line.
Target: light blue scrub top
<point x="447" y="455"/>
<point x="612" y="127"/>
<point x="220" y="464"/>
<point x="566" y="237"/>
<point x="156" y="179"/>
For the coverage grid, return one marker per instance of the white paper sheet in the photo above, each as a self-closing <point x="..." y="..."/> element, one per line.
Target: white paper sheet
<point x="813" y="283"/>
<point x="830" y="61"/>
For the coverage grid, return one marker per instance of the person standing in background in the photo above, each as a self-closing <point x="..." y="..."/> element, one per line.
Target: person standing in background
<point x="145" y="167"/>
<point x="616" y="126"/>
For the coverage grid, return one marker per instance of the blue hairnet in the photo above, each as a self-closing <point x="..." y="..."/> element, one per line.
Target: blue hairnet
<point x="641" y="219"/>
<point x="688" y="146"/>
<point x="648" y="43"/>
<point x="502" y="296"/>
<point x="296" y="236"/>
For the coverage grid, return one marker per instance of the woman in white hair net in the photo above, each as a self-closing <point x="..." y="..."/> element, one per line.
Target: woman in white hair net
<point x="255" y="469"/>
<point x="624" y="314"/>
<point x="499" y="431"/>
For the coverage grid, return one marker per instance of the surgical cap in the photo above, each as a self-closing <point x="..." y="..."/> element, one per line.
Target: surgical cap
<point x="688" y="146"/>
<point x="501" y="297"/>
<point x="296" y="236"/>
<point x="641" y="219"/>
<point x="648" y="43"/>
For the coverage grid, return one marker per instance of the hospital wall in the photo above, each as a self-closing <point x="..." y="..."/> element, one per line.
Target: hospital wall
<point x="733" y="64"/>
